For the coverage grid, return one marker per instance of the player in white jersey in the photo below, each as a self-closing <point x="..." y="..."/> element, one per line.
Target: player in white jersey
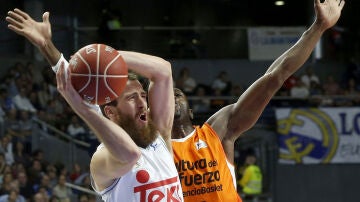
<point x="134" y="162"/>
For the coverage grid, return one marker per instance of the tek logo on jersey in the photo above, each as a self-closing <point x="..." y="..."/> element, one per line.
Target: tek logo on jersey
<point x="200" y="144"/>
<point x="163" y="190"/>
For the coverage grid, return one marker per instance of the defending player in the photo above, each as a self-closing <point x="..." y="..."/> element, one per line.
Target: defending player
<point x="204" y="155"/>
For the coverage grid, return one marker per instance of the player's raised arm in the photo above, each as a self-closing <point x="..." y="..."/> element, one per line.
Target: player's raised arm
<point x="161" y="94"/>
<point x="246" y="111"/>
<point x="38" y="33"/>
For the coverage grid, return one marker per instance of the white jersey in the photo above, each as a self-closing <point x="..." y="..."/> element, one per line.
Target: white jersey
<point x="153" y="178"/>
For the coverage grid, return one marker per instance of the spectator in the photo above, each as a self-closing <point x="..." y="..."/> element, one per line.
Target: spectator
<point x="51" y="171"/>
<point x="6" y="101"/>
<point x="222" y="83"/>
<point x="20" y="156"/>
<point x="42" y="195"/>
<point x="287" y="86"/>
<point x="26" y="126"/>
<point x="251" y="180"/>
<point x="44" y="185"/>
<point x="309" y="76"/>
<point x="7" y="183"/>
<point x="44" y="95"/>
<point x="185" y="82"/>
<point x="22" y="102"/>
<point x="299" y="90"/>
<point x="83" y="198"/>
<point x="217" y="101"/>
<point x="6" y="147"/>
<point x="13" y="196"/>
<point x="199" y="103"/>
<point x="331" y="86"/>
<point x="76" y="129"/>
<point x="25" y="188"/>
<point x="62" y="192"/>
<point x="12" y="124"/>
<point x="35" y="172"/>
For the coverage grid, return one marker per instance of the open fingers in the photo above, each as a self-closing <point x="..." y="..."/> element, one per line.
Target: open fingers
<point x="16" y="16"/>
<point x="14" y="24"/>
<point x="21" y="13"/>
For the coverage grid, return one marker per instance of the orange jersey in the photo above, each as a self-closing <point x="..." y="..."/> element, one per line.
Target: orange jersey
<point x="204" y="172"/>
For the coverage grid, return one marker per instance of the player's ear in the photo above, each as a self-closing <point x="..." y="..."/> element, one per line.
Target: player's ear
<point x="109" y="111"/>
<point x="191" y="114"/>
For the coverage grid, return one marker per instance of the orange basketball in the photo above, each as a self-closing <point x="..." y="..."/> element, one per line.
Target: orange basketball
<point x="98" y="73"/>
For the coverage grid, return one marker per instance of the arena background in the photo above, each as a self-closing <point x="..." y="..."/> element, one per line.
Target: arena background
<point x="207" y="36"/>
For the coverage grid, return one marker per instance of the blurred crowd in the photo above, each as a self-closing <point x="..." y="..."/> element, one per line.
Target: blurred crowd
<point x="28" y="91"/>
<point x="24" y="173"/>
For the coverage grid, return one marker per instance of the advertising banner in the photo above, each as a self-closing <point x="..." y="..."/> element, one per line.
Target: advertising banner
<point x="318" y="135"/>
<point x="268" y="43"/>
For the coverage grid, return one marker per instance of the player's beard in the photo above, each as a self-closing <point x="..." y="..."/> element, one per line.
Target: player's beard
<point x="142" y="136"/>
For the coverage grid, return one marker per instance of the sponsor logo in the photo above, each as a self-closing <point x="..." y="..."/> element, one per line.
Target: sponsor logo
<point x="200" y="144"/>
<point x="163" y="190"/>
<point x="307" y="133"/>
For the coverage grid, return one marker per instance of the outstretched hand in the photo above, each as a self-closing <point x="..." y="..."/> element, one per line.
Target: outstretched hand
<point x="36" y="32"/>
<point x="328" y="12"/>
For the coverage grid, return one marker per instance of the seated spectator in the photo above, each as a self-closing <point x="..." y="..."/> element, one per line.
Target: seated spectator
<point x="6" y="147"/>
<point x="12" y="196"/>
<point x="25" y="188"/>
<point x="25" y="130"/>
<point x="62" y="192"/>
<point x="12" y="124"/>
<point x="217" y="101"/>
<point x="20" y="156"/>
<point x="76" y="129"/>
<point x="299" y="90"/>
<point x="7" y="183"/>
<point x="35" y="172"/>
<point x="44" y="95"/>
<point x="44" y="185"/>
<point x="309" y="77"/>
<point x="199" y="103"/>
<point x="222" y="83"/>
<point x="22" y="102"/>
<point x="6" y="101"/>
<point x="185" y="82"/>
<point x="331" y="86"/>
<point x="41" y="196"/>
<point x="51" y="171"/>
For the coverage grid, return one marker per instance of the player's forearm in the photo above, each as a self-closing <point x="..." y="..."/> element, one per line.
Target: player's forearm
<point x="50" y="52"/>
<point x="296" y="56"/>
<point x="115" y="139"/>
<point x="152" y="67"/>
<point x="161" y="94"/>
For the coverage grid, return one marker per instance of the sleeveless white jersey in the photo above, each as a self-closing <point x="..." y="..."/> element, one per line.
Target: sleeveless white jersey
<point x="153" y="178"/>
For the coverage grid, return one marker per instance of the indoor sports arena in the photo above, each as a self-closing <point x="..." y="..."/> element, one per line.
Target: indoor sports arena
<point x="267" y="97"/>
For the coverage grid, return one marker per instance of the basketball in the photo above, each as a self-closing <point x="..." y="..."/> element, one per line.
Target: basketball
<point x="98" y="73"/>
